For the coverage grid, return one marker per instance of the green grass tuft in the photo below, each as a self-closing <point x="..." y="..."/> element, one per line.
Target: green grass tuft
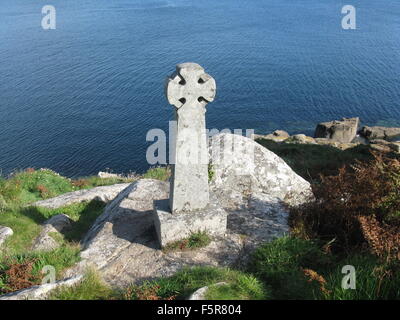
<point x="158" y="173"/>
<point x="279" y="264"/>
<point x="91" y="287"/>
<point x="374" y="280"/>
<point x="241" y="287"/>
<point x="185" y="282"/>
<point x="194" y="241"/>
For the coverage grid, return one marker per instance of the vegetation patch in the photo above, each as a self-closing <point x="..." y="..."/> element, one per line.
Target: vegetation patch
<point x="158" y="173"/>
<point x="242" y="287"/>
<point x="194" y="241"/>
<point x="354" y="221"/>
<point x="92" y="287"/>
<point x="280" y="265"/>
<point x="31" y="185"/>
<point x="311" y="161"/>
<point x="303" y="269"/>
<point x="25" y="270"/>
<point x="185" y="282"/>
<point x="359" y="205"/>
<point x="26" y="223"/>
<point x="211" y="172"/>
<point x="95" y="181"/>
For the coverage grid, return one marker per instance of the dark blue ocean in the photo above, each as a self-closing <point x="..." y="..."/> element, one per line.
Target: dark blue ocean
<point x="81" y="98"/>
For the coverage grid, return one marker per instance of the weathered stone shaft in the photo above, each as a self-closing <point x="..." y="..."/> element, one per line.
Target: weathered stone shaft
<point x="190" y="89"/>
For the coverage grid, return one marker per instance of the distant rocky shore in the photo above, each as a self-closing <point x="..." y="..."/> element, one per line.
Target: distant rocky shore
<point x="343" y="134"/>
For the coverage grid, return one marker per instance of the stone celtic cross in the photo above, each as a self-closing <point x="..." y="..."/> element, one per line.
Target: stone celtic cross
<point x="189" y="89"/>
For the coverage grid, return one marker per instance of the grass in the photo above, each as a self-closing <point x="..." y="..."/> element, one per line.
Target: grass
<point x="19" y="266"/>
<point x="287" y="268"/>
<point x="95" y="181"/>
<point x="25" y="230"/>
<point x="310" y="161"/>
<point x="20" y="271"/>
<point x="91" y="287"/>
<point x="300" y="269"/>
<point x="194" y="241"/>
<point x="241" y="287"/>
<point x="26" y="223"/>
<point x="24" y="187"/>
<point x="185" y="282"/>
<point x="31" y="185"/>
<point x="280" y="264"/>
<point x="158" y="173"/>
<point x="375" y="280"/>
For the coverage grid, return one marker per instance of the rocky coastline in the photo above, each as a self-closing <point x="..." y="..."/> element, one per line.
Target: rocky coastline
<point x="343" y="134"/>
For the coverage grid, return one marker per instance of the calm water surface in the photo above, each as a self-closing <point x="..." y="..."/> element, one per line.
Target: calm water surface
<point x="81" y="98"/>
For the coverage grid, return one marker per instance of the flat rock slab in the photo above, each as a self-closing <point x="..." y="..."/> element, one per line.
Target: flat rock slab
<point x="104" y="194"/>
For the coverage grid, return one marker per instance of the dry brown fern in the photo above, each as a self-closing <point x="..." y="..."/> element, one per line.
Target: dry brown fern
<point x="383" y="240"/>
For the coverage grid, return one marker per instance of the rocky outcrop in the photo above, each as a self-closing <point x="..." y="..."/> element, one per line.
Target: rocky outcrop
<point x="277" y="136"/>
<point x="5" y="232"/>
<point x="384" y="146"/>
<point x="243" y="167"/>
<point x="395" y="146"/>
<point x="379" y="132"/>
<point x="335" y="144"/>
<point x="55" y="225"/>
<point x="104" y="194"/>
<point x="122" y="244"/>
<point x="342" y="135"/>
<point x="300" y="139"/>
<point x="343" y="131"/>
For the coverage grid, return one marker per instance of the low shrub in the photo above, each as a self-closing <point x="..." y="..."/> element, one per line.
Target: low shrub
<point x="24" y="270"/>
<point x="362" y="190"/>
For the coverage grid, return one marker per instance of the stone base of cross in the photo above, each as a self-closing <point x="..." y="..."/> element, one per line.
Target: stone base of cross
<point x="171" y="227"/>
<point x="190" y="207"/>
